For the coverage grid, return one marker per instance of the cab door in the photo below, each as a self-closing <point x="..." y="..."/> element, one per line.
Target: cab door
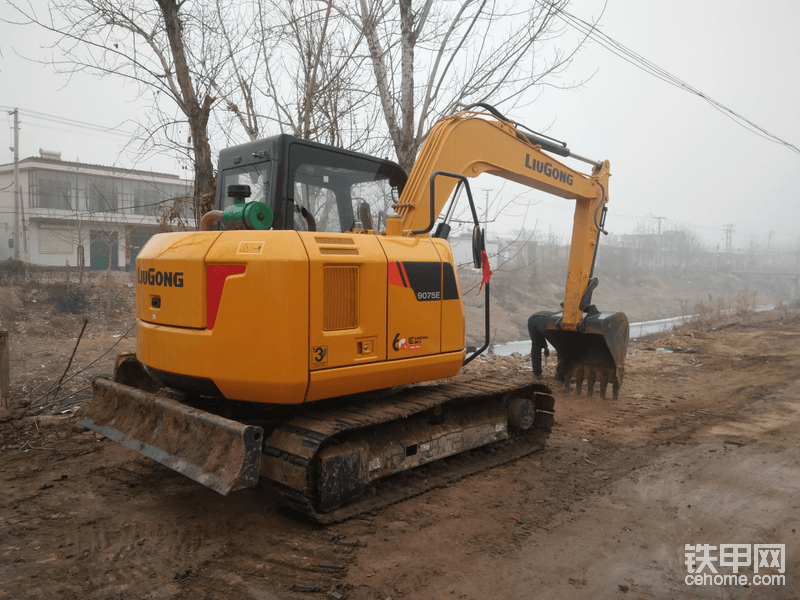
<point x="414" y="297"/>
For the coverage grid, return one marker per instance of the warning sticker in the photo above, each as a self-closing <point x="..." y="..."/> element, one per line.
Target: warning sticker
<point x="250" y="248"/>
<point x="319" y="357"/>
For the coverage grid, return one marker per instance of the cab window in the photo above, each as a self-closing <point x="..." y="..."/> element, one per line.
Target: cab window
<point x="256" y="176"/>
<point x="331" y="189"/>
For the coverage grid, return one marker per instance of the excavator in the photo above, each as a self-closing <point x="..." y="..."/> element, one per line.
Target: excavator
<point x="306" y="335"/>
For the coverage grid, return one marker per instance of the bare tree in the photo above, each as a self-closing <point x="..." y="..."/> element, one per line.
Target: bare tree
<point x="299" y="66"/>
<point x="328" y="98"/>
<point x="467" y="51"/>
<point x="161" y="48"/>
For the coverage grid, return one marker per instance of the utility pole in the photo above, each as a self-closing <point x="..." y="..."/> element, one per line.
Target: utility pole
<point x="728" y="243"/>
<point x="19" y="207"/>
<point x="728" y="237"/>
<point x="486" y="215"/>
<point x="660" y="257"/>
<point x="486" y="212"/>
<point x="15" y="112"/>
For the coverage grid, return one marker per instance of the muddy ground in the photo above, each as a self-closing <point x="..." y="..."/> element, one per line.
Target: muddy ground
<point x="701" y="448"/>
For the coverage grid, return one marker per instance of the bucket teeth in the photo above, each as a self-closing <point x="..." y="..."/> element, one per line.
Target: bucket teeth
<point x="591" y="375"/>
<point x="603" y="384"/>
<point x="590" y="384"/>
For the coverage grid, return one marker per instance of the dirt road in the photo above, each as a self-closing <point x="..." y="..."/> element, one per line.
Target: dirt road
<point x="701" y="448"/>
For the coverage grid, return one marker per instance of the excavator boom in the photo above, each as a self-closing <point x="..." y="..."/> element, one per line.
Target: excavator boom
<point x="591" y="345"/>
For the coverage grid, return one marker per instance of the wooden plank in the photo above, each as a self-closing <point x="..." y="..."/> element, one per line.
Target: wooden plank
<point x="283" y="472"/>
<point x="292" y="443"/>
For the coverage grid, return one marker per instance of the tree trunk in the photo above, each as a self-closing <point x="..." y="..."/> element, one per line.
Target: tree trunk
<point x="406" y="148"/>
<point x="108" y="278"/>
<point x="81" y="260"/>
<point x="197" y="113"/>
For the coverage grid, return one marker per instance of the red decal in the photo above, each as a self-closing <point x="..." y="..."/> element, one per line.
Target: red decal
<point x="394" y="275"/>
<point x="403" y="273"/>
<point x="215" y="282"/>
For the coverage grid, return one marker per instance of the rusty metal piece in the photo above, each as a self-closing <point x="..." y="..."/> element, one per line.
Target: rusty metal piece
<point x="217" y="452"/>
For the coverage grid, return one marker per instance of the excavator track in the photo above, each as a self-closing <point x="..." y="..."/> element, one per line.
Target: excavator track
<point x="335" y="464"/>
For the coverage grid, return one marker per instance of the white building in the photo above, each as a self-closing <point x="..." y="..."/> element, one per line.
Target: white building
<point x="71" y="210"/>
<point x="462" y="249"/>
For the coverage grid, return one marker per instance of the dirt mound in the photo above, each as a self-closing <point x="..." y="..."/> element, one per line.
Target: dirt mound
<point x="45" y="302"/>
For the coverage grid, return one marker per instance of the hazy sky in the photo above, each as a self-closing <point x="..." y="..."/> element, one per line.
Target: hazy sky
<point x="672" y="154"/>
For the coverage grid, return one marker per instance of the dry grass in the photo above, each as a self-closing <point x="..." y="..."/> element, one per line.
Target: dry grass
<point x="708" y="317"/>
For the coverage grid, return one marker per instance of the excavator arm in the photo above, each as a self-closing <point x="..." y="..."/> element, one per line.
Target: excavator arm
<point x="470" y="145"/>
<point x="591" y="345"/>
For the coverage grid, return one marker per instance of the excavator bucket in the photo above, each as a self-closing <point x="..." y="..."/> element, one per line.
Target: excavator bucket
<point x="217" y="452"/>
<point x="595" y="353"/>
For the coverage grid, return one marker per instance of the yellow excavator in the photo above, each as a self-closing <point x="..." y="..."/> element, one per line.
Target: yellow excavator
<point x="282" y="342"/>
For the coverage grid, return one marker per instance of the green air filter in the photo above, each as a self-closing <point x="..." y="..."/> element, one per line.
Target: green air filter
<point x="254" y="215"/>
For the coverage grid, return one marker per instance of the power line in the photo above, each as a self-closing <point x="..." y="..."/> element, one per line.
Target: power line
<point x="628" y="55"/>
<point x="70" y="122"/>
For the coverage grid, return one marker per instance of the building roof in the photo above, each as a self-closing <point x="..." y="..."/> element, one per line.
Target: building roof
<point x="36" y="161"/>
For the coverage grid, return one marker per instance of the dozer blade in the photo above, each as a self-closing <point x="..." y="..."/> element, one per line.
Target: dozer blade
<point x="217" y="452"/>
<point x="594" y="354"/>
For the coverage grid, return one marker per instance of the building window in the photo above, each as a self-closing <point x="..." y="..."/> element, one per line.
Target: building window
<point x="102" y="196"/>
<point x="145" y="201"/>
<point x="51" y="190"/>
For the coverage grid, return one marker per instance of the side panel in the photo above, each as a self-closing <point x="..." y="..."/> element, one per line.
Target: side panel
<point x="376" y="376"/>
<point x="414" y="314"/>
<point x="258" y="347"/>
<point x="453" y="327"/>
<point x="347" y="302"/>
